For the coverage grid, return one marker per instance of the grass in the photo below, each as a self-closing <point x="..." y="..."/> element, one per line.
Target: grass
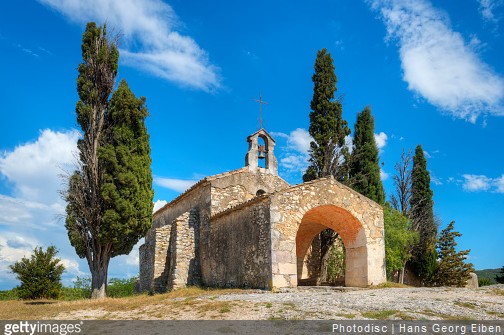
<point x="465" y="304"/>
<point x="379" y="315"/>
<point x="498" y="291"/>
<point x="390" y="284"/>
<point x="109" y="307"/>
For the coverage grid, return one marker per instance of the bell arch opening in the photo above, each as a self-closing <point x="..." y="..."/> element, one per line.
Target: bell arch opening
<point x="262" y="152"/>
<point x="352" y="236"/>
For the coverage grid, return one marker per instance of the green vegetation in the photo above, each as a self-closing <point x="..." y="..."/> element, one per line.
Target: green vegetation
<point x="119" y="288"/>
<point x="399" y="240"/>
<point x="379" y="315"/>
<point x="9" y="295"/>
<point x="110" y="194"/>
<point x="328" y="153"/>
<point x="452" y="270"/>
<point x="500" y="279"/>
<point x="488" y="274"/>
<point x="424" y="259"/>
<point x="364" y="163"/>
<point x="484" y="282"/>
<point x="40" y="275"/>
<point x="116" y="288"/>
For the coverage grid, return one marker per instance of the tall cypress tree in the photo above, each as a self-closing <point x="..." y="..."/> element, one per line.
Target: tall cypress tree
<point x="422" y="218"/>
<point x="364" y="163"/>
<point x="328" y="152"/>
<point x="125" y="159"/>
<point x="109" y="196"/>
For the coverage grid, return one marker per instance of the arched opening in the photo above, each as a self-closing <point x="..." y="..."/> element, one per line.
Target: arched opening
<point x="260" y="192"/>
<point x="262" y="152"/>
<point x="352" y="236"/>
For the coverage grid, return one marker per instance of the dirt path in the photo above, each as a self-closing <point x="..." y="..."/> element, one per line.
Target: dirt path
<point x="318" y="303"/>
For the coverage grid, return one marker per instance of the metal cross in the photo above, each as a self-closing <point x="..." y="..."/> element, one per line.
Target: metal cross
<point x="261" y="103"/>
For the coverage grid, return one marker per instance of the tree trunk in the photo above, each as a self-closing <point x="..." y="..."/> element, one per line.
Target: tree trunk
<point x="324" y="264"/>
<point x="99" y="271"/>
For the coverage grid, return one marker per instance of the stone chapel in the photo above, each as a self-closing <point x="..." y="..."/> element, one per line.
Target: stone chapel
<point x="250" y="228"/>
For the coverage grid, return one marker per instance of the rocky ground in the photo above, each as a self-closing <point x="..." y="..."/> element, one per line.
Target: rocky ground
<point x="313" y="303"/>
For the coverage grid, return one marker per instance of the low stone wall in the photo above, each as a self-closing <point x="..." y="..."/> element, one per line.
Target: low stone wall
<point x="238" y="249"/>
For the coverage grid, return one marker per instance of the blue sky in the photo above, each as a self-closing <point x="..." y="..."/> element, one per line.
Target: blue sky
<point x="432" y="72"/>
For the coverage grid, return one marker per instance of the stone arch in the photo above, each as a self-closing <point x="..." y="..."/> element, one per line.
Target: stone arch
<point x="300" y="212"/>
<point x="351" y="232"/>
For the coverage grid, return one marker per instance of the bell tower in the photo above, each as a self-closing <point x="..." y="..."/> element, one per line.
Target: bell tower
<point x="257" y="152"/>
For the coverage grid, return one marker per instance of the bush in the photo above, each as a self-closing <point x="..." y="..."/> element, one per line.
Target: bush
<point x="40" y="275"/>
<point x="9" y="295"/>
<point x="81" y="289"/>
<point x="484" y="282"/>
<point x="118" y="288"/>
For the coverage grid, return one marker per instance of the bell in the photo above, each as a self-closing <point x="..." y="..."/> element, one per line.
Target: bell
<point x="262" y="152"/>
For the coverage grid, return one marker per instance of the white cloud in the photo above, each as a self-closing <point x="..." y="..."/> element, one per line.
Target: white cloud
<point x="437" y="63"/>
<point x="436" y="180"/>
<point x="150" y="39"/>
<point x="158" y="204"/>
<point x="33" y="214"/>
<point x="474" y="183"/>
<point x="179" y="185"/>
<point x="383" y="175"/>
<point x="499" y="184"/>
<point x="299" y="140"/>
<point x="295" y="156"/>
<point x="487" y="8"/>
<point x="381" y="140"/>
<point x="35" y="167"/>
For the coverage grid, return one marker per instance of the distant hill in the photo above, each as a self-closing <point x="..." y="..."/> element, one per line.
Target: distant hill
<point x="488" y="273"/>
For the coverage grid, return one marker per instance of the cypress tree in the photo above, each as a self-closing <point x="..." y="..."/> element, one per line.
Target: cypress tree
<point x="451" y="269"/>
<point x="328" y="152"/>
<point x="422" y="218"/>
<point x="364" y="166"/>
<point x="125" y="159"/>
<point x="110" y="195"/>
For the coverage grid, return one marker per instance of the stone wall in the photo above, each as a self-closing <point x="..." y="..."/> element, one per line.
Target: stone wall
<point x="238" y="249"/>
<point x="182" y="258"/>
<point x="236" y="187"/>
<point x="154" y="258"/>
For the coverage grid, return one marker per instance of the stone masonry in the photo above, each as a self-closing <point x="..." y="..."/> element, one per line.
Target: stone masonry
<point x="250" y="228"/>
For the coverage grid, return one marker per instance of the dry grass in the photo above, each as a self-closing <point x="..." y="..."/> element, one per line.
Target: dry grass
<point x="185" y="299"/>
<point x="390" y="284"/>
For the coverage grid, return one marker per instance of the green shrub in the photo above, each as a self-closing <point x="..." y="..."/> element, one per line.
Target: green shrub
<point x="40" y="275"/>
<point x="9" y="295"/>
<point x="80" y="290"/>
<point x="484" y="282"/>
<point x="118" y="288"/>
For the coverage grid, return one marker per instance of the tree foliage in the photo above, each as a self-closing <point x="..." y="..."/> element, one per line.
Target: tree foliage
<point x="452" y="269"/>
<point x="127" y="180"/>
<point x="40" y="275"/>
<point x="500" y="279"/>
<point x="399" y="240"/>
<point x="110" y="195"/>
<point x="422" y="218"/>
<point x="364" y="163"/>
<point x="328" y="153"/>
